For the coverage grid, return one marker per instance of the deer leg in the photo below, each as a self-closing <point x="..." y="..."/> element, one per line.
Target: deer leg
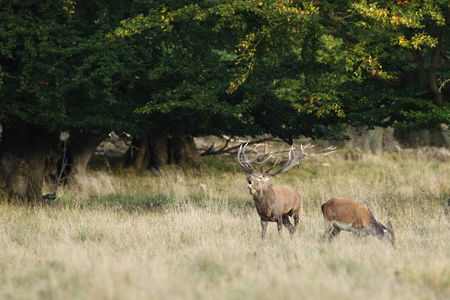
<point x="330" y="232"/>
<point x="296" y="220"/>
<point x="264" y="229"/>
<point x="327" y="233"/>
<point x="288" y="225"/>
<point x="280" y="225"/>
<point x="334" y="232"/>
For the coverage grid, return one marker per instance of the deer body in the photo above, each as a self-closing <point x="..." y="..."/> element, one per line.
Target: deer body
<point x="345" y="214"/>
<point x="274" y="203"/>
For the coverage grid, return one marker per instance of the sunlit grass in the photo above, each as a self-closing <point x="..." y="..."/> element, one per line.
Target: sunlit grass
<point x="197" y="236"/>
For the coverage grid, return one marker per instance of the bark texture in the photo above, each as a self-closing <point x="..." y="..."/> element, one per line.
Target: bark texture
<point x="80" y="148"/>
<point x="151" y="151"/>
<point x="22" y="161"/>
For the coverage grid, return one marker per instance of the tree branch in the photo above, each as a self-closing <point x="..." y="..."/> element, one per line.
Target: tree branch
<point x="232" y="149"/>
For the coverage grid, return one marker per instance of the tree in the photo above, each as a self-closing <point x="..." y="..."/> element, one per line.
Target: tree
<point x="205" y="86"/>
<point x="59" y="73"/>
<point x="182" y="92"/>
<point x="195" y="73"/>
<point x="400" y="50"/>
<point x="390" y="69"/>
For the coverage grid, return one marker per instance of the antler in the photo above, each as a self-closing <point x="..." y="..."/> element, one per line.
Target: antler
<point x="293" y="160"/>
<point x="244" y="161"/>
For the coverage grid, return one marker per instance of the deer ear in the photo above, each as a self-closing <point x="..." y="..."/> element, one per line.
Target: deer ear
<point x="389" y="226"/>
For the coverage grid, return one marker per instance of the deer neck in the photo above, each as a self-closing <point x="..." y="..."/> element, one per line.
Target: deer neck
<point x="262" y="194"/>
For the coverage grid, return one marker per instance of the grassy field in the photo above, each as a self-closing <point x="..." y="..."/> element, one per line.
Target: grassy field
<point x="197" y="236"/>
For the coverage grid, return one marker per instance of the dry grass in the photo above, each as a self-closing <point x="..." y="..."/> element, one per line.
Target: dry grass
<point x="180" y="236"/>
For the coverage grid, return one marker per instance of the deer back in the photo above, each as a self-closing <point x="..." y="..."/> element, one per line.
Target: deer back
<point x="285" y="194"/>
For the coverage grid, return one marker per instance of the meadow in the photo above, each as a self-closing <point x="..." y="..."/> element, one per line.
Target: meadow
<point x="196" y="235"/>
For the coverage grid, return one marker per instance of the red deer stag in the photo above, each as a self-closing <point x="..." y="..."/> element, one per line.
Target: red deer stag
<point x="274" y="203"/>
<point x="345" y="214"/>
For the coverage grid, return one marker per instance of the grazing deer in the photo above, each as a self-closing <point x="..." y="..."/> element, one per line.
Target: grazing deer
<point x="345" y="214"/>
<point x="274" y="203"/>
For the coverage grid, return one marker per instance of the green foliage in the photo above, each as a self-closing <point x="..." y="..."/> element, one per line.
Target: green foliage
<point x="59" y="71"/>
<point x="402" y="46"/>
<point x="311" y="63"/>
<point x="233" y="36"/>
<point x="288" y="68"/>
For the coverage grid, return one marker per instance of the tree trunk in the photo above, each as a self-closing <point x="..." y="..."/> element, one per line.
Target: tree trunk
<point x="434" y="64"/>
<point x="182" y="151"/>
<point x="377" y="141"/>
<point x="156" y="151"/>
<point x="22" y="161"/>
<point x="424" y="138"/>
<point x="80" y="148"/>
<point x="138" y="154"/>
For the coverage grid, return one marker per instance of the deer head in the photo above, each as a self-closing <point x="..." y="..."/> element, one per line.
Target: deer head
<point x="257" y="181"/>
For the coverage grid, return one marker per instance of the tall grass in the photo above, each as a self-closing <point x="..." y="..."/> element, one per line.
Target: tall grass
<point x="197" y="236"/>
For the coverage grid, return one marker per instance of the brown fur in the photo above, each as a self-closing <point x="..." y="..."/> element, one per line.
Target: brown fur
<point x="345" y="214"/>
<point x="274" y="203"/>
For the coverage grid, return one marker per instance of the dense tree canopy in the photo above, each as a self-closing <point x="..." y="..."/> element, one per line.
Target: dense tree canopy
<point x="384" y="63"/>
<point x="217" y="67"/>
<point x="400" y="49"/>
<point x="241" y="96"/>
